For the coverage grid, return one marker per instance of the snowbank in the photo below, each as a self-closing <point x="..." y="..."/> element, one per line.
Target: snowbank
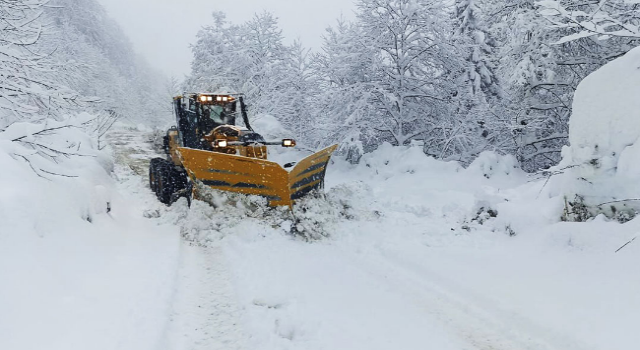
<point x="602" y="160"/>
<point x="411" y="275"/>
<point x="270" y="127"/>
<point x="69" y="175"/>
<point x="79" y="270"/>
<point x="419" y="253"/>
<point x="272" y="130"/>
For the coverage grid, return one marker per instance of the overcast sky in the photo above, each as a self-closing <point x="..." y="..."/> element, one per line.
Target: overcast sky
<point x="161" y="30"/>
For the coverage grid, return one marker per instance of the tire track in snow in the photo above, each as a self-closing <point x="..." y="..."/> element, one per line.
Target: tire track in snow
<point x="205" y="312"/>
<point x="133" y="149"/>
<point x="475" y="318"/>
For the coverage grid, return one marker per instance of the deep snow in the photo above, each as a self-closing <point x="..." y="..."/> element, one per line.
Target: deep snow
<point x="403" y="252"/>
<point x="74" y="275"/>
<point x="415" y="258"/>
<point x="602" y="160"/>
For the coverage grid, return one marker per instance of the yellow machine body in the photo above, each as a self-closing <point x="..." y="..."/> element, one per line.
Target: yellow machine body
<point x="248" y="172"/>
<point x="207" y="146"/>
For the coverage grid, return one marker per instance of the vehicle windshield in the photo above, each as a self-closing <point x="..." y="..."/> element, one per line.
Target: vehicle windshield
<point x="219" y="114"/>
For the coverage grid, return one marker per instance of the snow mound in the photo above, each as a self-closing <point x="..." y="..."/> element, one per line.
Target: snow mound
<point x="220" y="214"/>
<point x="53" y="168"/>
<point x="270" y="127"/>
<point x="78" y="264"/>
<point x="602" y="160"/>
<point x="409" y="167"/>
<point x="272" y="130"/>
<point x="389" y="161"/>
<point x="494" y="165"/>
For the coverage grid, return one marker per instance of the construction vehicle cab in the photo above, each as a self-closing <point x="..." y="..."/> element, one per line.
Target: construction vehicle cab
<point x="207" y="146"/>
<point x="198" y="114"/>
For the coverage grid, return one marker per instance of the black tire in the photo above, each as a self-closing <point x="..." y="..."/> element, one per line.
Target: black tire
<point x="165" y="183"/>
<point x="181" y="185"/>
<point x="165" y="144"/>
<point x="153" y="174"/>
<point x="168" y="181"/>
<point x="152" y="179"/>
<point x="180" y="179"/>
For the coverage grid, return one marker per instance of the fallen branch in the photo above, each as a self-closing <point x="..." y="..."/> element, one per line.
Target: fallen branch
<point x="620" y="201"/>
<point x="43" y="131"/>
<point x="56" y="174"/>
<point x="626" y="244"/>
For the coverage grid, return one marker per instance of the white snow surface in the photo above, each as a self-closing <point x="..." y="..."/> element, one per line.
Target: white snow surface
<point x="270" y="127"/>
<point x="604" y="134"/>
<point x="72" y="274"/>
<point x="403" y="252"/>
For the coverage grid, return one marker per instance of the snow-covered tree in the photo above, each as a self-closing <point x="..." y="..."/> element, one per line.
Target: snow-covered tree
<point x="251" y="58"/>
<point x="393" y="76"/>
<point x="217" y="62"/>
<point x="480" y="74"/>
<point x="537" y="92"/>
<point x="299" y="92"/>
<point x="539" y="72"/>
<point x="27" y="90"/>
<point x="94" y="57"/>
<point x="345" y="71"/>
<point x="265" y="57"/>
<point x="413" y="90"/>
<point x="602" y="19"/>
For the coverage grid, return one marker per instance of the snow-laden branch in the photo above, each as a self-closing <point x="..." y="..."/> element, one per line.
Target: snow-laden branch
<point x="45" y="146"/>
<point x="602" y="21"/>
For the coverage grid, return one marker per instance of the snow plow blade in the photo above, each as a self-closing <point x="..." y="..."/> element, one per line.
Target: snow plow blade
<point x="254" y="176"/>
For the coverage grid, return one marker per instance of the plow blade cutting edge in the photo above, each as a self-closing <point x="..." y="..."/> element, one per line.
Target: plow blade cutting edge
<point x="257" y="176"/>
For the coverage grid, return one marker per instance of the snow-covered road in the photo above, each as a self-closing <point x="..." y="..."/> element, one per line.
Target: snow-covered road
<point x="416" y="258"/>
<point x="205" y="314"/>
<point x="406" y="267"/>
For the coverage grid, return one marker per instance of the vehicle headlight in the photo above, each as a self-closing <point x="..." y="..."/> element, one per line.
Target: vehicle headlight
<point x="221" y="143"/>
<point x="288" y="143"/>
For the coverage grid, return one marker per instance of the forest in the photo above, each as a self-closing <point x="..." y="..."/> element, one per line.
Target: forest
<point x="455" y="79"/>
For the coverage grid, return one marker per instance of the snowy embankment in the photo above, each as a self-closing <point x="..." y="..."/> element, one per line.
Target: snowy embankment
<point x="80" y="268"/>
<point x="415" y="258"/>
<point x="602" y="163"/>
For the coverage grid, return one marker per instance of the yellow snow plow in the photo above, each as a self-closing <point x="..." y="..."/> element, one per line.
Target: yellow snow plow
<point x="207" y="146"/>
<point x="229" y="172"/>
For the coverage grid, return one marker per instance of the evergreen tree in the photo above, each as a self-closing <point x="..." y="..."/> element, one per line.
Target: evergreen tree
<point x="480" y="74"/>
